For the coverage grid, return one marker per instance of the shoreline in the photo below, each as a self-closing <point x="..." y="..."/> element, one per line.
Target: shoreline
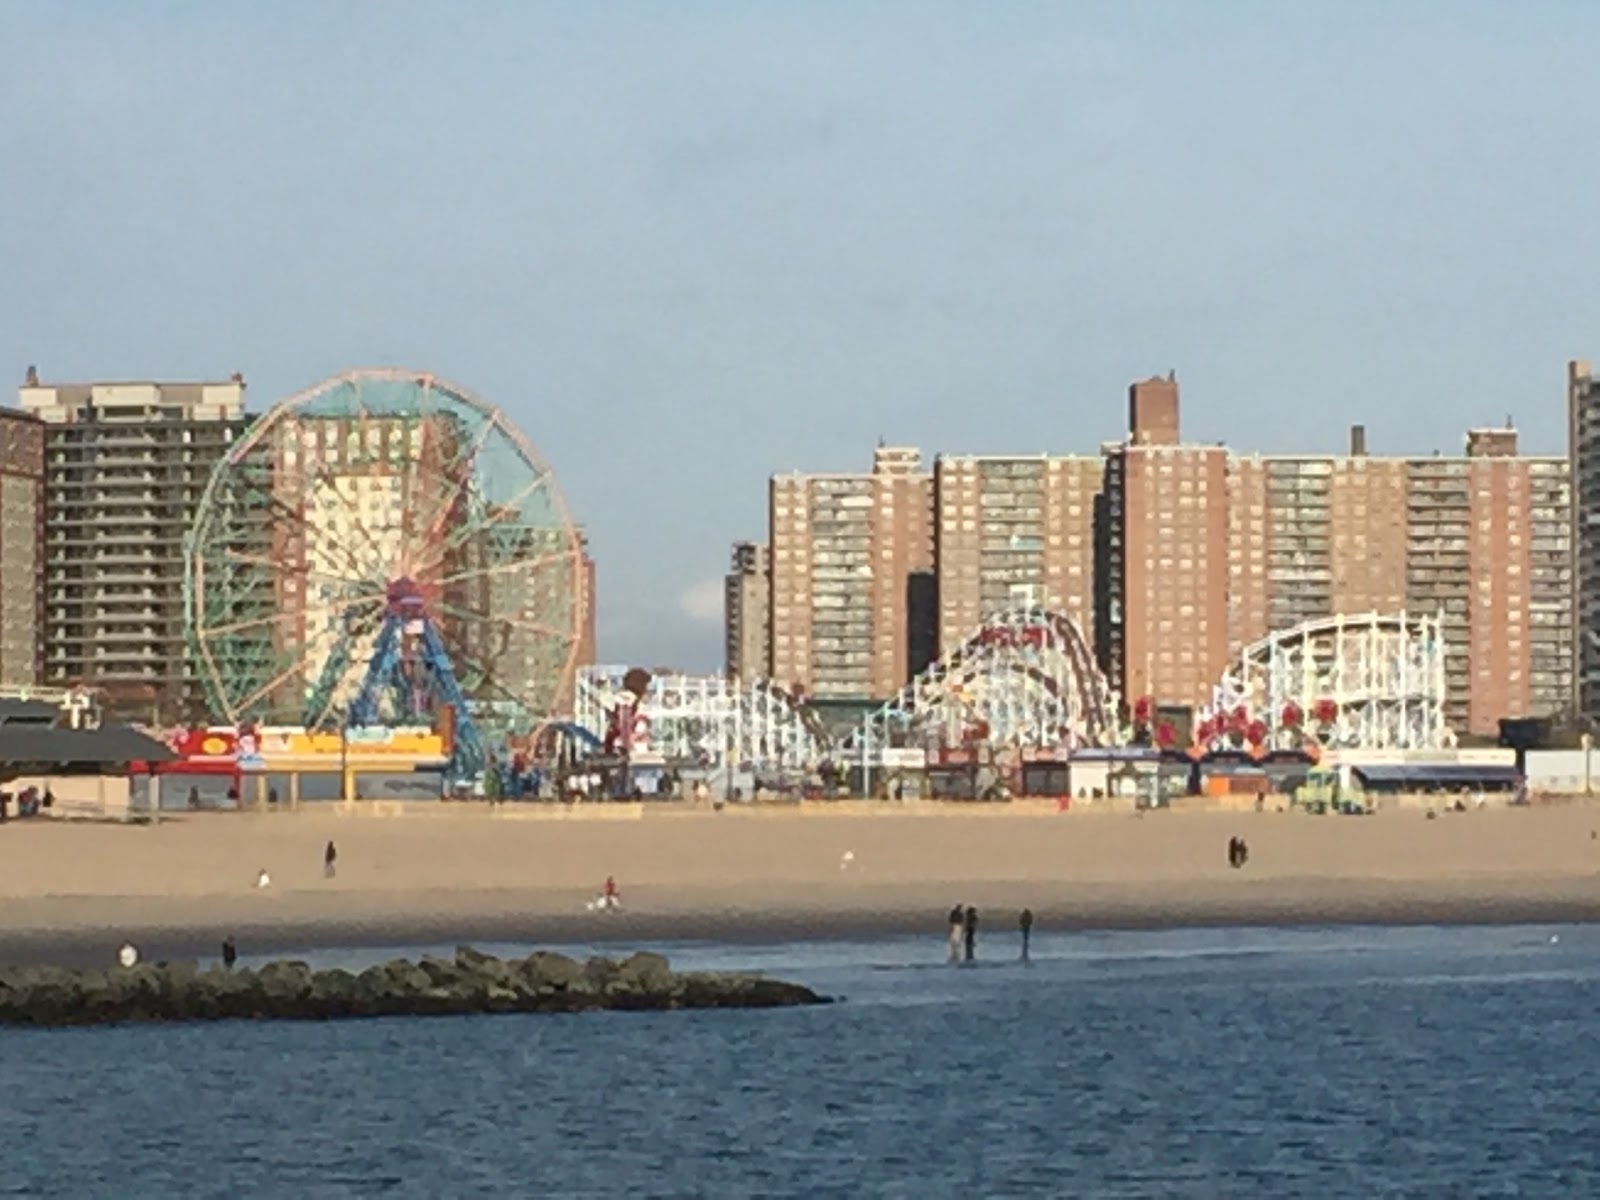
<point x="303" y="924"/>
<point x="73" y="894"/>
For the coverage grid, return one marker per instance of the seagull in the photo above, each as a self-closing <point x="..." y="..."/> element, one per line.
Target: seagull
<point x="849" y="857"/>
<point x="263" y="880"/>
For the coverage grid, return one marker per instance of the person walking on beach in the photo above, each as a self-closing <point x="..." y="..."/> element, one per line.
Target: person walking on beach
<point x="1025" y="923"/>
<point x="957" y="925"/>
<point x="330" y="857"/>
<point x="969" y="927"/>
<point x="230" y="953"/>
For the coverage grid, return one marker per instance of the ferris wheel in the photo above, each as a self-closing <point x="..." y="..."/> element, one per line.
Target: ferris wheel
<point x="376" y="548"/>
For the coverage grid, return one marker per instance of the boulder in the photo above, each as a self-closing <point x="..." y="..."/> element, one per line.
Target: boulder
<point x="476" y="963"/>
<point x="643" y="973"/>
<point x="473" y="982"/>
<point x="598" y="973"/>
<point x="555" y="972"/>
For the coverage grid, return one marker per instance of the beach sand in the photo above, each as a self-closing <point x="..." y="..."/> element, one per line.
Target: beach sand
<point x="74" y="892"/>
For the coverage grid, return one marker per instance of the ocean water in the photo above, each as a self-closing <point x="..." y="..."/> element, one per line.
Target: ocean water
<point x="1348" y="1062"/>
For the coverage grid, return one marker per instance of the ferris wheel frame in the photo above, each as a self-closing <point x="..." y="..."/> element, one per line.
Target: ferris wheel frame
<point x="565" y="542"/>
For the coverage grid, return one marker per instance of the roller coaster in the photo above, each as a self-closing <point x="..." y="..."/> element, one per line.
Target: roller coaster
<point x="1026" y="680"/>
<point x="1375" y="681"/>
<point x="701" y="720"/>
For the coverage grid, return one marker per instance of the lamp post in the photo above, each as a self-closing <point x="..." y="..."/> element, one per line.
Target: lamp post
<point x="344" y="758"/>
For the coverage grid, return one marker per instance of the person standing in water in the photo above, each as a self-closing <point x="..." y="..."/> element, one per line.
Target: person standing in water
<point x="969" y="927"/>
<point x="230" y="952"/>
<point x="330" y="857"/>
<point x="957" y="924"/>
<point x="1025" y="923"/>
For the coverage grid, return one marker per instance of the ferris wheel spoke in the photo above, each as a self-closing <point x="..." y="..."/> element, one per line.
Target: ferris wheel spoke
<point x="293" y="612"/>
<point x="356" y="525"/>
<point x="455" y="488"/>
<point x="505" y="568"/>
<point x="277" y="565"/>
<point x="299" y="666"/>
<point x="518" y="499"/>
<point x="488" y="676"/>
<point x="522" y="623"/>
<point x="292" y="515"/>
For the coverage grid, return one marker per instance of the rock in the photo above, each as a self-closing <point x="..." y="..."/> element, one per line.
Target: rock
<point x="554" y="971"/>
<point x="598" y="974"/>
<point x="473" y="982"/>
<point x="643" y="973"/>
<point x="476" y="963"/>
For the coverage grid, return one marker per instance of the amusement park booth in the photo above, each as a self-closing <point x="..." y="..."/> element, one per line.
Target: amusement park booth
<point x="374" y="763"/>
<point x="202" y="772"/>
<point x="84" y="772"/>
<point x="1238" y="777"/>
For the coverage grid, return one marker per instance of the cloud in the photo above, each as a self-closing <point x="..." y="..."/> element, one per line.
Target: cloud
<point x="702" y="601"/>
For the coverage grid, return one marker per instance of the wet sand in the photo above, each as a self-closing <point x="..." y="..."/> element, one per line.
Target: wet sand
<point x="75" y="892"/>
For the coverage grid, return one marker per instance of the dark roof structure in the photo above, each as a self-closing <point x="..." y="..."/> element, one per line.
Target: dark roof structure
<point x="1439" y="775"/>
<point x="15" y="711"/>
<point x="107" y="746"/>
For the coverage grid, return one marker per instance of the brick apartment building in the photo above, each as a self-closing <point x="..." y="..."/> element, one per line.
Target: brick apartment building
<point x="1188" y="581"/>
<point x="847" y="552"/>
<point x="1013" y="531"/>
<point x="125" y="467"/>
<point x="1583" y="449"/>
<point x="1173" y="557"/>
<point x="747" y="620"/>
<point x="22" y="541"/>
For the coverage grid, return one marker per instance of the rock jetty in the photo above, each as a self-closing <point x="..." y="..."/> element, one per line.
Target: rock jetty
<point x="472" y="982"/>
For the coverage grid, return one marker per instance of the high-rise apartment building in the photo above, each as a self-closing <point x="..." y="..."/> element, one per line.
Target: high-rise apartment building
<point x="21" y="548"/>
<point x="126" y="466"/>
<point x="1203" y="553"/>
<point x="1013" y="531"/>
<point x="1478" y="539"/>
<point x="844" y="551"/>
<point x="1162" y="553"/>
<point x="747" y="621"/>
<point x="1583" y="450"/>
<point x="1174" y="557"/>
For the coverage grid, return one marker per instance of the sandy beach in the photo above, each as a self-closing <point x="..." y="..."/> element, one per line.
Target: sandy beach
<point x="74" y="892"/>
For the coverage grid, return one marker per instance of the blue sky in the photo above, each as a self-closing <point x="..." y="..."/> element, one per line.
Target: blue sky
<point x="687" y="245"/>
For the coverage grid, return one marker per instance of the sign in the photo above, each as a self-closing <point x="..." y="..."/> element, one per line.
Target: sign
<point x="912" y="758"/>
<point x="217" y="743"/>
<point x="281" y="741"/>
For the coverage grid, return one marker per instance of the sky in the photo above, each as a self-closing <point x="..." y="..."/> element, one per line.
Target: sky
<point x="686" y="246"/>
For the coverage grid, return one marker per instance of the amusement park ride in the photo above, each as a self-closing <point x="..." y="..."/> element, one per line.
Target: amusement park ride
<point x="1025" y="684"/>
<point x="386" y="552"/>
<point x="409" y="681"/>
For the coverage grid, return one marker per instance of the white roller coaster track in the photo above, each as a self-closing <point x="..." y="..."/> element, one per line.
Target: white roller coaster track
<point x="1383" y="672"/>
<point x="705" y="719"/>
<point x="1026" y="675"/>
